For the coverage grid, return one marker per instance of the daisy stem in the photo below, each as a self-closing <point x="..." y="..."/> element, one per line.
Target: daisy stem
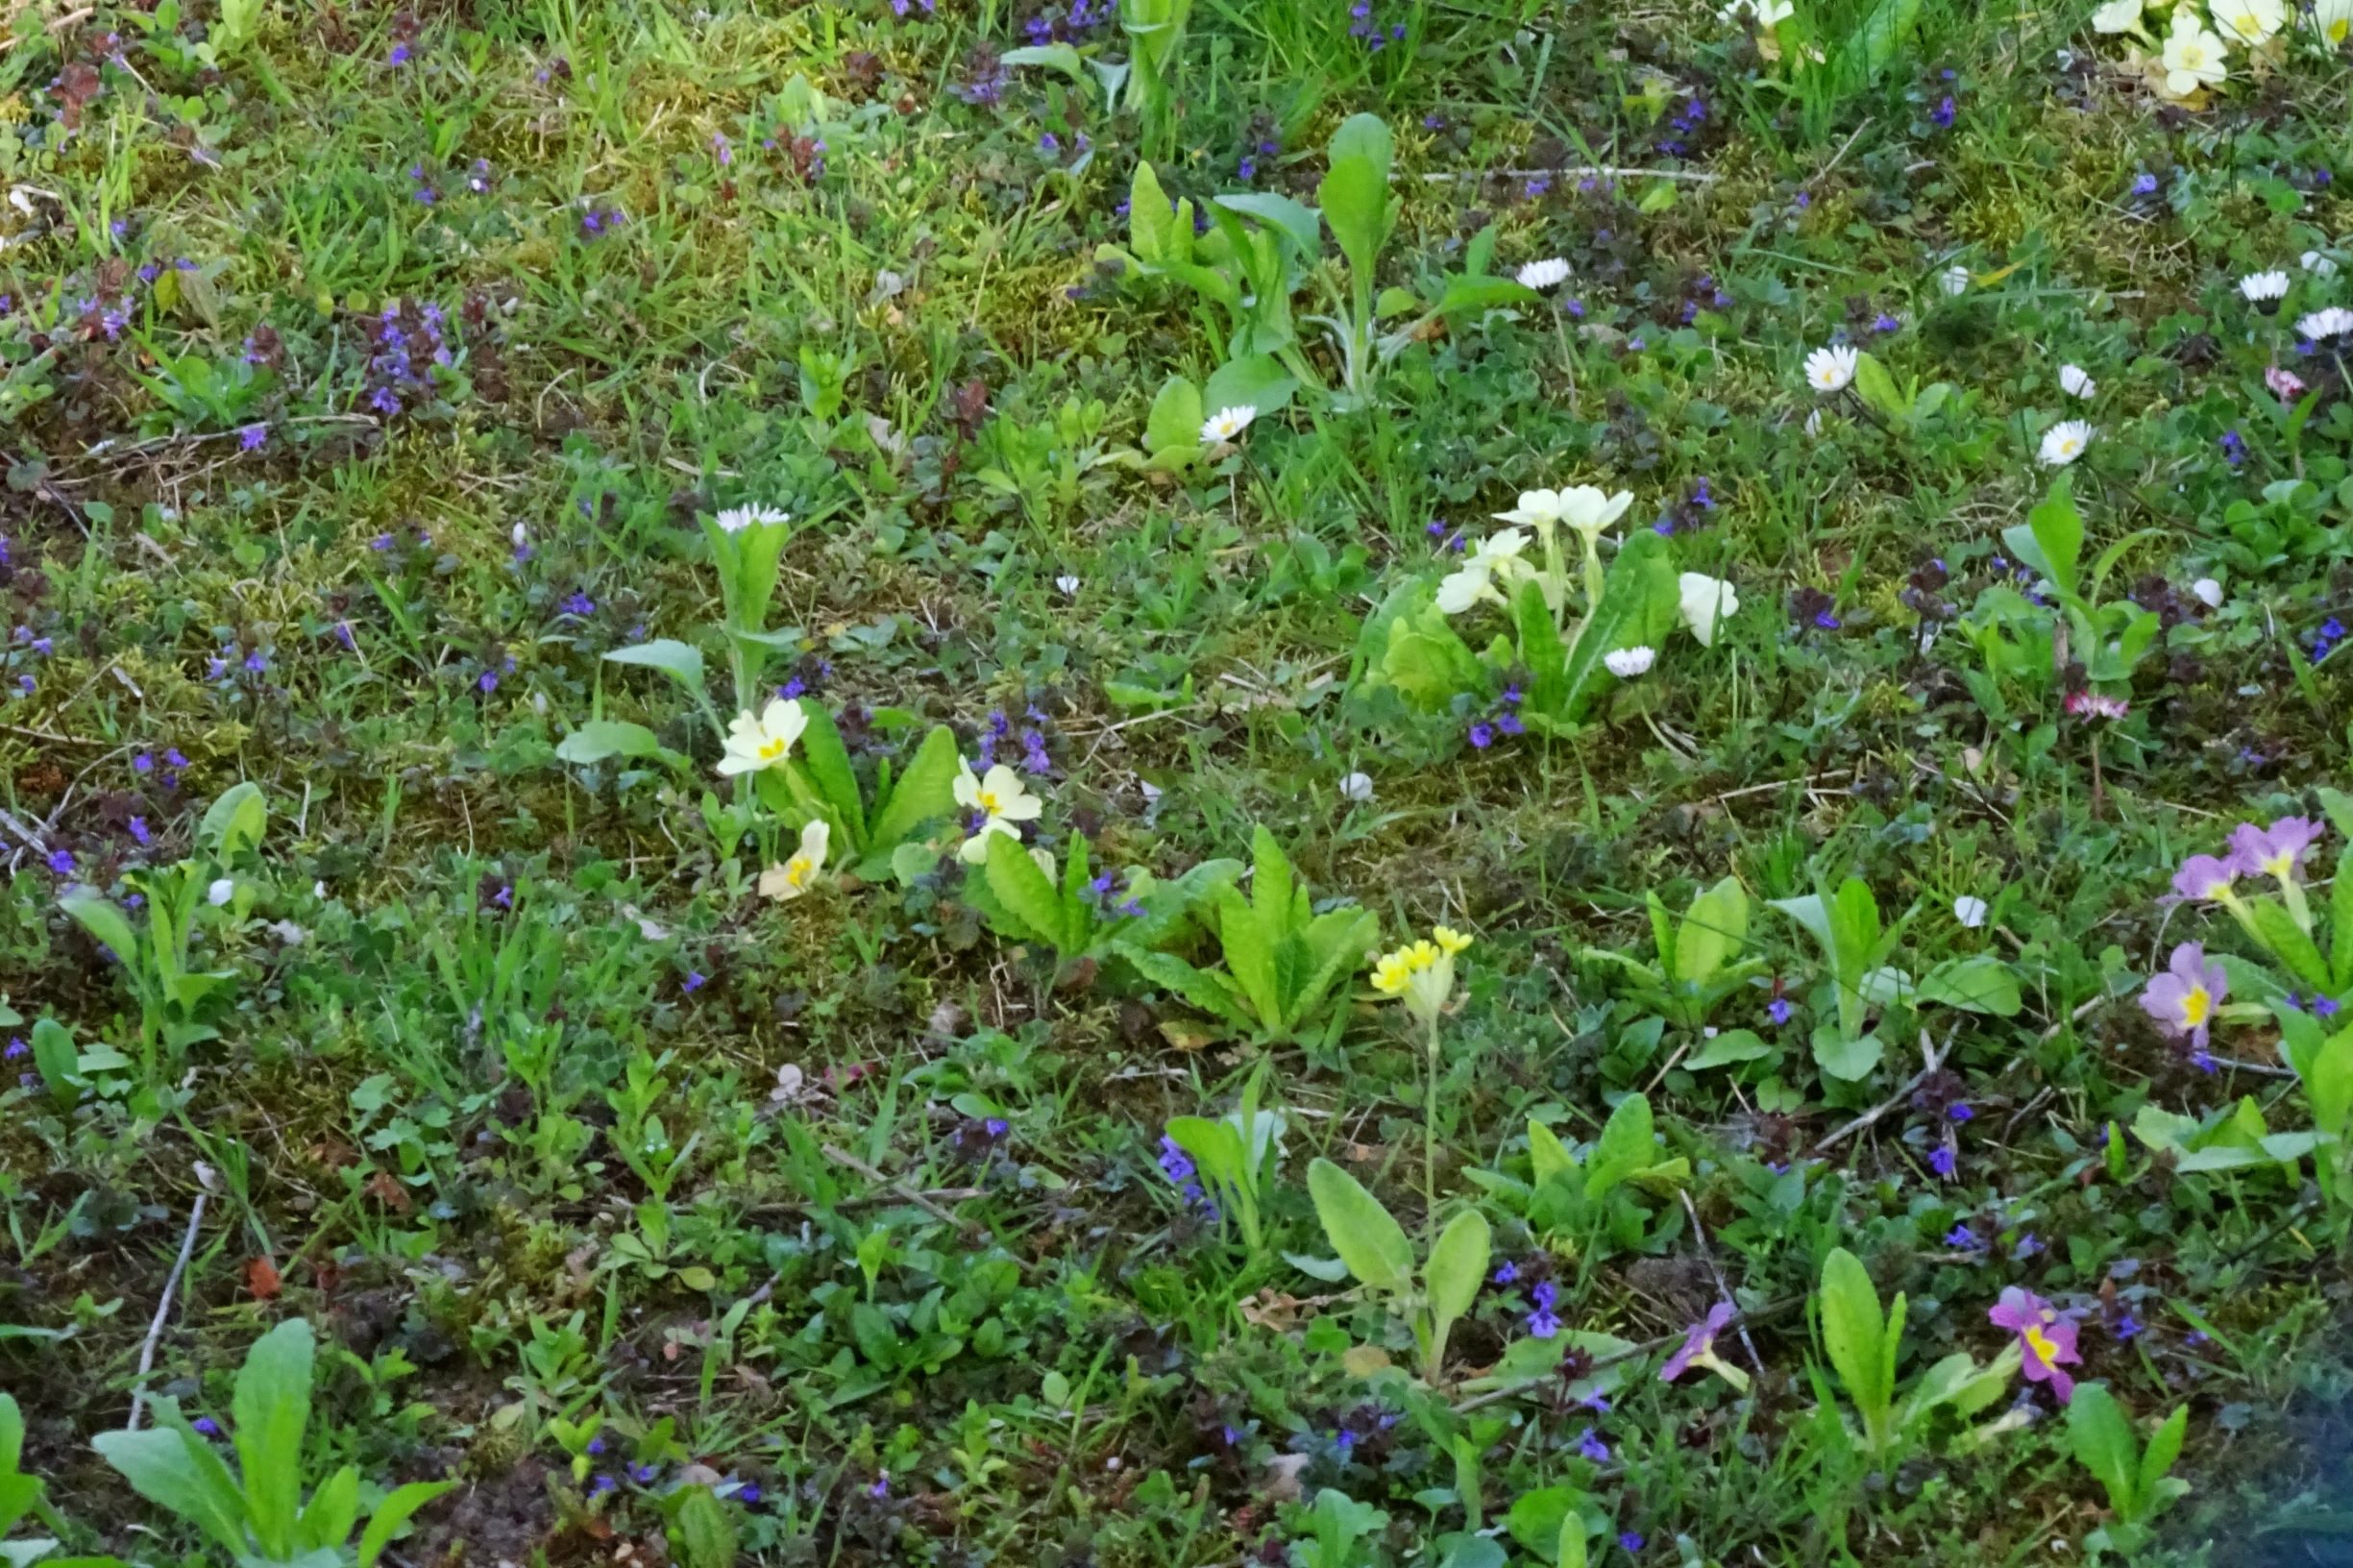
<point x="1568" y="355"/>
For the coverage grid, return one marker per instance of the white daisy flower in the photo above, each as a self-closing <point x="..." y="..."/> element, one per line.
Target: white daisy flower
<point x="2334" y="322"/>
<point x="2265" y="288"/>
<point x="2075" y="383"/>
<point x="2064" y="442"/>
<point x="1830" y="370"/>
<point x="1227" y="424"/>
<point x="1357" y="787"/>
<point x="736" y="519"/>
<point x="1625" y="663"/>
<point x="1550" y="273"/>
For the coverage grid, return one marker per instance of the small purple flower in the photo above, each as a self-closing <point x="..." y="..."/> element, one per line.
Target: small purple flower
<point x="1961" y="1237"/>
<point x="1698" y="1348"/>
<point x="1543" y="1323"/>
<point x="882" y="1481"/>
<point x="1941" y="1160"/>
<point x="644" y="1475"/>
<point x="2184" y="999"/>
<point x="2234" y="448"/>
<point x="2127" y="1326"/>
<point x="1778" y="1009"/>
<point x="138" y="832"/>
<point x="995" y="1126"/>
<point x="596" y="1445"/>
<point x="205" y="1427"/>
<point x="2025" y="1247"/>
<point x="1631" y="1540"/>
<point x="2277" y="850"/>
<point x="1483" y="735"/>
<point x="488" y="681"/>
<point x="1959" y="1111"/>
<point x="62" y="862"/>
<point x="251" y="436"/>
<point x="2045" y="1337"/>
<point x="1592" y="1447"/>
<point x="693" y="982"/>
<point x="1506" y="1272"/>
<point x="1943" y="113"/>
<point x="2144" y="184"/>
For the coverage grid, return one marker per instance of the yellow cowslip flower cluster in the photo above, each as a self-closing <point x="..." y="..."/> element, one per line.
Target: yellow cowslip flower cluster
<point x="1421" y="974"/>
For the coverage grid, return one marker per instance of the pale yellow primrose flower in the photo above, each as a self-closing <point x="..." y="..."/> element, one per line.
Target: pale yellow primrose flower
<point x="764" y="742"/>
<point x="999" y="800"/>
<point x="798" y="874"/>
<point x="1421" y="974"/>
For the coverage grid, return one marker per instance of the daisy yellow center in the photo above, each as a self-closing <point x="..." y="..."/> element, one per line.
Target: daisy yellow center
<point x="2040" y="1343"/>
<point x="2196" y="1006"/>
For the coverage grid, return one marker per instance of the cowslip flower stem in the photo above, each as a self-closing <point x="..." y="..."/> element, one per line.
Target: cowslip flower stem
<point x="1429" y="1145"/>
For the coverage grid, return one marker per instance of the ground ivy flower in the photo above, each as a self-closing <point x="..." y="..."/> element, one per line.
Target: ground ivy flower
<point x="2183" y="999"/>
<point x="1625" y="663"/>
<point x="1543" y="1323"/>
<point x="1699" y="1349"/>
<point x="2064" y="442"/>
<point x="1831" y="369"/>
<point x="764" y="742"/>
<point x="2076" y="383"/>
<point x="736" y="519"/>
<point x="1475" y="579"/>
<point x="1421" y="974"/>
<point x="2334" y="322"/>
<point x="996" y="800"/>
<point x="1703" y="599"/>
<point x="1542" y="276"/>
<point x="2192" y="56"/>
<point x="2249" y="22"/>
<point x="1227" y="424"/>
<point x="798" y="874"/>
<point x="2045" y="1339"/>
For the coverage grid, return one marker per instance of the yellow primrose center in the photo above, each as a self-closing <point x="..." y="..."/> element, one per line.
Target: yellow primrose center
<point x="2280" y="864"/>
<point x="2196" y="1005"/>
<point x="2040" y="1343"/>
<point x="773" y="749"/>
<point x="987" y="799"/>
<point x="797" y="870"/>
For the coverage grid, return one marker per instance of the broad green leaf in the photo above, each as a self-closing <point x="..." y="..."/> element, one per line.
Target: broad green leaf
<point x="828" y="761"/>
<point x="235" y="823"/>
<point x="1638" y="608"/>
<point x="1714" y="930"/>
<point x="599" y="739"/>
<point x="1365" y="1235"/>
<point x="926" y="792"/>
<point x="1296" y="222"/>
<point x="178" y="1471"/>
<point x="1023" y="891"/>
<point x="1458" y="1265"/>
<point x="1852" y="1334"/>
<point x="1877" y="389"/>
<point x="1541" y="648"/>
<point x="1547" y="1156"/>
<point x="1367" y="136"/>
<point x="2050" y="541"/>
<point x="1174" y="422"/>
<point x="2340" y="921"/>
<point x="59" y="1064"/>
<point x="1845" y="1058"/>
<point x="1054" y="57"/>
<point x="94" y="913"/>
<point x="2153" y="1489"/>
<point x="1336" y="941"/>
<point x="2276" y="929"/>
<point x="327" y="1520"/>
<point x="1215" y="1147"/>
<point x="2101" y="1434"/>
<point x="393" y="1513"/>
<point x="1356" y="202"/>
<point x="270" y="1409"/>
<point x="1726" y="1048"/>
<point x="1250" y="958"/>
<point x="675" y="660"/>
<point x="1196" y="987"/>
<point x="704" y="1533"/>
<point x="1256" y="381"/>
<point x="1980" y="984"/>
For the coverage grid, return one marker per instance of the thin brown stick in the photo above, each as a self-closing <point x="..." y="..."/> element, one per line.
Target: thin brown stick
<point x="1927" y="1049"/>
<point x="163" y="1311"/>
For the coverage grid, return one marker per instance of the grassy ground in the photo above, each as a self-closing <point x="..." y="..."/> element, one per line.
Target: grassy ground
<point x="385" y="922"/>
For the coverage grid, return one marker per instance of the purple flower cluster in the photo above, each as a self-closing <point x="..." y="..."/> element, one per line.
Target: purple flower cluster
<point x="1503" y="719"/>
<point x="1362" y="25"/>
<point x="1031" y="738"/>
<point x="1053" y="25"/>
<point x="409" y="342"/>
<point x="1178" y="1167"/>
<point x="2326" y="639"/>
<point x="1687" y="123"/>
